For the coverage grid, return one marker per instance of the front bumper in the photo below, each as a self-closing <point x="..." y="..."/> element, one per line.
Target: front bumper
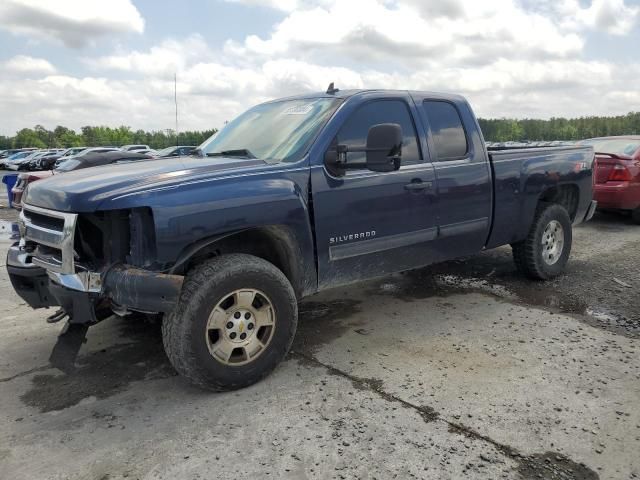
<point x="29" y="281"/>
<point x="89" y="297"/>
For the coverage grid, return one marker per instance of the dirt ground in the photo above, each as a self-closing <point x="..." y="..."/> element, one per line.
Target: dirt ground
<point x="460" y="370"/>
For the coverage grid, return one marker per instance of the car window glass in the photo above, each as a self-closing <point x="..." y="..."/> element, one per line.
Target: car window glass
<point x="355" y="129"/>
<point x="616" y="146"/>
<point x="447" y="131"/>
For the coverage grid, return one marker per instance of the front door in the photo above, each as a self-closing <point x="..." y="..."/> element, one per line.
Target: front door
<point x="370" y="223"/>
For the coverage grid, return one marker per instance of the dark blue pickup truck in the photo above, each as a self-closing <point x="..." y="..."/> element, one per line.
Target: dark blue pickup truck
<point x="294" y="196"/>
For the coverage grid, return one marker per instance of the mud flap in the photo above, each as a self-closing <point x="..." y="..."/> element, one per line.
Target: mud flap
<point x="65" y="351"/>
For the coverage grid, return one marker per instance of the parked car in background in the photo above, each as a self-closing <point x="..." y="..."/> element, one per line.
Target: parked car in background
<point x="47" y="161"/>
<point x="87" y="151"/>
<point x="147" y="151"/>
<point x="96" y="159"/>
<point x="11" y="151"/>
<point x="19" y="161"/>
<point x="69" y="152"/>
<point x="73" y="163"/>
<point x="176" y="151"/>
<point x="617" y="173"/>
<point x="131" y="148"/>
<point x="33" y="162"/>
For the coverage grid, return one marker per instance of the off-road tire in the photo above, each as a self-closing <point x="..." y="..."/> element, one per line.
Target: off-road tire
<point x="528" y="254"/>
<point x="183" y="330"/>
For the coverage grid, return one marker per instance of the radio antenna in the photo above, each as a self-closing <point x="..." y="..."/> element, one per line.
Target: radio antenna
<point x="175" y="100"/>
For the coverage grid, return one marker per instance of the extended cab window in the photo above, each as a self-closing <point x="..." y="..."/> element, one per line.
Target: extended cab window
<point x="355" y="129"/>
<point x="446" y="129"/>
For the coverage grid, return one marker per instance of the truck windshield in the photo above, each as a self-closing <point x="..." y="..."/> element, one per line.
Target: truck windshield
<point x="275" y="132"/>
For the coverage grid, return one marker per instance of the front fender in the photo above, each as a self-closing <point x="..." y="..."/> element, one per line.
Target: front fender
<point x="194" y="214"/>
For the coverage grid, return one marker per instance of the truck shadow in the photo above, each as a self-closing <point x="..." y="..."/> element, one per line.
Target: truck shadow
<point x="321" y="322"/>
<point x="104" y="372"/>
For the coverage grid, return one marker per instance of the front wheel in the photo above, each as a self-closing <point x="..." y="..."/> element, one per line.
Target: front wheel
<point x="234" y="322"/>
<point x="545" y="251"/>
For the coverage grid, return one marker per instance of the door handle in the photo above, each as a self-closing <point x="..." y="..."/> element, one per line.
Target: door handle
<point x="419" y="185"/>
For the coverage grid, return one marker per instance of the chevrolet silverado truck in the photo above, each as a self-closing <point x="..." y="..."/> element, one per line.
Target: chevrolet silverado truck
<point x="294" y="196"/>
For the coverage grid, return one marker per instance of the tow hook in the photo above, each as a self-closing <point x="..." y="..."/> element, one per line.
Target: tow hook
<point x="65" y="351"/>
<point x="56" y="317"/>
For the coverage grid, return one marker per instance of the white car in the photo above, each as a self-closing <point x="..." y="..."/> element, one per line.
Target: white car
<point x="134" y="148"/>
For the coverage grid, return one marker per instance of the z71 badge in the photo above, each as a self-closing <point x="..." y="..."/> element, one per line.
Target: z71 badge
<point x="351" y="236"/>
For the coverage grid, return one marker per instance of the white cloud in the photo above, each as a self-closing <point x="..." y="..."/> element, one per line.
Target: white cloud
<point x="611" y="16"/>
<point x="25" y="65"/>
<point x="168" y="57"/>
<point x="286" y="5"/>
<point x="506" y="58"/>
<point x="412" y="33"/>
<point x="75" y="23"/>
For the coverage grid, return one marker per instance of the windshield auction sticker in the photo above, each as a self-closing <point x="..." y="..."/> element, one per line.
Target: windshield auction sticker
<point x="298" y="109"/>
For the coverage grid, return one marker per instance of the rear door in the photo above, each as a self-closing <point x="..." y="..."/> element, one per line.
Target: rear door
<point x="370" y="223"/>
<point x="463" y="175"/>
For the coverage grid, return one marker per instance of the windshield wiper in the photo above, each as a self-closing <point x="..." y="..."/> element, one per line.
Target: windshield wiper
<point x="240" y="152"/>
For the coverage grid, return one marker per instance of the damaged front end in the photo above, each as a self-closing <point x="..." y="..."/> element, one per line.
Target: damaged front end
<point x="91" y="265"/>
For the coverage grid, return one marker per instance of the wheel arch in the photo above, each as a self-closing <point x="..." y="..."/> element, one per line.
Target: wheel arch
<point x="276" y="244"/>
<point x="567" y="195"/>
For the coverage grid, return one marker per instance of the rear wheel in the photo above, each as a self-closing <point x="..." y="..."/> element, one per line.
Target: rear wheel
<point x="545" y="251"/>
<point x="234" y="322"/>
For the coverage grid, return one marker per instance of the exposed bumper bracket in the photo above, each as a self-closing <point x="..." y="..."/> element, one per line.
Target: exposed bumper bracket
<point x="65" y="351"/>
<point x="89" y="299"/>
<point x="142" y="290"/>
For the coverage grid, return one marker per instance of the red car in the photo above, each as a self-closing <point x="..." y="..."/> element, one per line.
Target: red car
<point x="617" y="173"/>
<point x="23" y="180"/>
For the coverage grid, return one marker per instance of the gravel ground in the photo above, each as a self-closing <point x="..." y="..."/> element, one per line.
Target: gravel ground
<point x="461" y="370"/>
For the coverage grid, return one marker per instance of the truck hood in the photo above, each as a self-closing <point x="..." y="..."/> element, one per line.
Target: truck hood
<point x="85" y="190"/>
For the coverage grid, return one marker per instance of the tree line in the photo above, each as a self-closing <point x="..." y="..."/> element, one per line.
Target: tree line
<point x="494" y="130"/>
<point x="505" y="129"/>
<point x="62" y="137"/>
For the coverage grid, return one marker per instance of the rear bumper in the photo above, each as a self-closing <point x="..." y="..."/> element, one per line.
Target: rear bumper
<point x="617" y="195"/>
<point x="121" y="287"/>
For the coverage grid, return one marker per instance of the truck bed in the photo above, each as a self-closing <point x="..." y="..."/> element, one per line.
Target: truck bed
<point x="522" y="174"/>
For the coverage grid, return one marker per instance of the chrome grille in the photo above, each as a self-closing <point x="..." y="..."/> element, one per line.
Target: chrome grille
<point x="52" y="229"/>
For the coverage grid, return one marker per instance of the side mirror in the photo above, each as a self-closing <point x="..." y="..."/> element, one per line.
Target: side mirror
<point x="384" y="147"/>
<point x="383" y="151"/>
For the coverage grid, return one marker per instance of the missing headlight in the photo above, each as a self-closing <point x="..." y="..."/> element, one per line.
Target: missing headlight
<point x="142" y="244"/>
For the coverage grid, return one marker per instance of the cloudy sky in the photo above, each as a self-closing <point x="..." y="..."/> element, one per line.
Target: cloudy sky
<point x="89" y="62"/>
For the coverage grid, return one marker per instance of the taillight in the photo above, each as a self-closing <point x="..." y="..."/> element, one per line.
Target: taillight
<point x="619" y="173"/>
